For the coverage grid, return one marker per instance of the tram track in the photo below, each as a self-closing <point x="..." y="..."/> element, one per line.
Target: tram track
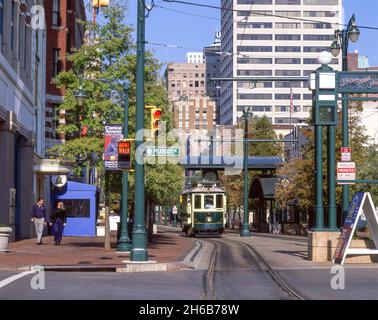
<point x="255" y="258"/>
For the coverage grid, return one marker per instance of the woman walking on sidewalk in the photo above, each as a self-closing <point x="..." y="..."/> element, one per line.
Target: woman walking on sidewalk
<point x="58" y="221"/>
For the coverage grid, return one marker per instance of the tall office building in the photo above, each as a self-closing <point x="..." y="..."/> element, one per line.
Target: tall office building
<point x="263" y="38"/>
<point x="212" y="54"/>
<point x="194" y="57"/>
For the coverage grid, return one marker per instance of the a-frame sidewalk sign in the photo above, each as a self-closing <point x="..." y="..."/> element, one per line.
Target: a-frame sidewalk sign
<point x="362" y="203"/>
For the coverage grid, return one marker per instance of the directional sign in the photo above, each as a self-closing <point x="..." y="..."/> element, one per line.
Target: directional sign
<point x="346" y="155"/>
<point x="346" y="171"/>
<point x="162" y="152"/>
<point x="357" y="82"/>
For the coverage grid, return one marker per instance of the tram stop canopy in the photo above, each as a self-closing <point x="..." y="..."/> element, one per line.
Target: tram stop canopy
<point x="262" y="188"/>
<point x="220" y="163"/>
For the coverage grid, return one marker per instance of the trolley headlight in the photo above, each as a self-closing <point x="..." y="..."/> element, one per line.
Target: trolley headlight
<point x="209" y="219"/>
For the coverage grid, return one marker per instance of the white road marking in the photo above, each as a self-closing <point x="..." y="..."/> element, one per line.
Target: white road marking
<point x="11" y="279"/>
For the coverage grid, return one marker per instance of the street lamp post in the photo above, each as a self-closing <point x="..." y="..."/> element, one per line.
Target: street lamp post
<point x="244" y="232"/>
<point x="124" y="242"/>
<point x="341" y="41"/>
<point x="139" y="244"/>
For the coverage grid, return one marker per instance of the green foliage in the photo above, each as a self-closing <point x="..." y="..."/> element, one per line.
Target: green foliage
<point x="109" y="61"/>
<point x="301" y="172"/>
<point x="259" y="128"/>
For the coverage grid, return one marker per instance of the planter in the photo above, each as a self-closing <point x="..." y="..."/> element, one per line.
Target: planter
<point x="5" y="233"/>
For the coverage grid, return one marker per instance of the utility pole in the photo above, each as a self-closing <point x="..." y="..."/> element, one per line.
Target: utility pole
<point x="244" y="232"/>
<point x="139" y="240"/>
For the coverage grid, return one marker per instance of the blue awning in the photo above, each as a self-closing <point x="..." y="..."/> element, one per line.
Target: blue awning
<point x="218" y="162"/>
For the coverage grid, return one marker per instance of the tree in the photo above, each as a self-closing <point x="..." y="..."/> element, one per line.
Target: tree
<point x="300" y="173"/>
<point x="109" y="60"/>
<point x="260" y="128"/>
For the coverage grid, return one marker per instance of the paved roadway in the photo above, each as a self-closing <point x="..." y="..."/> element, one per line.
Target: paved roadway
<point x="230" y="270"/>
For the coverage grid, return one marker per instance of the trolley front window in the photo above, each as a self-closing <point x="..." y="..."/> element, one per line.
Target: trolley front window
<point x="197" y="201"/>
<point x="209" y="202"/>
<point x="219" y="201"/>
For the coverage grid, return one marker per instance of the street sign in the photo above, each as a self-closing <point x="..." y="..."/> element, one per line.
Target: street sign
<point x="174" y="210"/>
<point x="162" y="152"/>
<point x="357" y="82"/>
<point x="346" y="155"/>
<point x="113" y="133"/>
<point x="346" y="171"/>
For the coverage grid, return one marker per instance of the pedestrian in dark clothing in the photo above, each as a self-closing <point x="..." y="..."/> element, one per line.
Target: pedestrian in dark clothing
<point x="39" y="218"/>
<point x="58" y="221"/>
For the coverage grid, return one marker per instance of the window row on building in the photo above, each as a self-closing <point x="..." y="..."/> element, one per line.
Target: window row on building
<point x="274" y="108"/>
<point x="290" y="2"/>
<point x="307" y="49"/>
<point x="284" y="25"/>
<point x="285" y="37"/>
<point x="270" y="96"/>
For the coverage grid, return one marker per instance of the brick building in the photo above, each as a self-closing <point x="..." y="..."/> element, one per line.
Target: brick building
<point x="194" y="114"/>
<point x="186" y="79"/>
<point x="63" y="33"/>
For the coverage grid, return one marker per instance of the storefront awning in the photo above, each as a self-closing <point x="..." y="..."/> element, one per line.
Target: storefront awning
<point x="53" y="166"/>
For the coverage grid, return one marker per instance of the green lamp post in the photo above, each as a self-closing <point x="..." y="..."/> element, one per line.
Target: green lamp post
<point x="139" y="244"/>
<point x="340" y="42"/>
<point x="244" y="232"/>
<point x="124" y="242"/>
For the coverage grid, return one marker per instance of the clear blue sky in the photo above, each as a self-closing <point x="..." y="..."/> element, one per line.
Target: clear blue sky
<point x="180" y="29"/>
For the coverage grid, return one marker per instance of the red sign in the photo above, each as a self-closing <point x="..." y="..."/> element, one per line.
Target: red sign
<point x="346" y="154"/>
<point x="124" y="147"/>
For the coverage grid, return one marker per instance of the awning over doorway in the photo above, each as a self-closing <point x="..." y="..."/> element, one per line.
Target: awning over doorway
<point x="53" y="166"/>
<point x="263" y="187"/>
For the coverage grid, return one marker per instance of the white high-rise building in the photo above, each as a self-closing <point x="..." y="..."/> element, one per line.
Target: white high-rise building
<point x="194" y="57"/>
<point x="263" y="38"/>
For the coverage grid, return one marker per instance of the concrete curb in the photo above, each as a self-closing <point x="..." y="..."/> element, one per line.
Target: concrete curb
<point x="75" y="268"/>
<point x="153" y="267"/>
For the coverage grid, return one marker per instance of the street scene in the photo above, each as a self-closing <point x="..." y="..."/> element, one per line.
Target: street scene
<point x="191" y="151"/>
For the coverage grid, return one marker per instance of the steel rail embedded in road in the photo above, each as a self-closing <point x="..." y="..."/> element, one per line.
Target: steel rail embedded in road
<point x="274" y="275"/>
<point x="210" y="274"/>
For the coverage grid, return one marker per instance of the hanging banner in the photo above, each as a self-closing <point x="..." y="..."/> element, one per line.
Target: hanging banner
<point x="113" y="134"/>
<point x="361" y="203"/>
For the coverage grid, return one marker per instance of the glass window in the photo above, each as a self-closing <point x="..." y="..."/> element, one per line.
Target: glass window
<point x="197" y="201"/>
<point x="318" y="37"/>
<point x="287" y="49"/>
<point x="289" y="37"/>
<point x="255" y="37"/>
<point x="320" y="2"/>
<point x="255" y="1"/>
<point x="209" y="201"/>
<point x="76" y="208"/>
<point x="56" y="62"/>
<point x="288" y="2"/>
<point x="254" y="49"/>
<point x="56" y="12"/>
<point x="287" y="25"/>
<point x="219" y="201"/>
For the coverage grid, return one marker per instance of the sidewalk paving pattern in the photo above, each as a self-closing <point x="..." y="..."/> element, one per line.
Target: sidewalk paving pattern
<point x="89" y="251"/>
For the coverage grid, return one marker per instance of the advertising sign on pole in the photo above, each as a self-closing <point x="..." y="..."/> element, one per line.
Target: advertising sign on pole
<point x="346" y="155"/>
<point x="113" y="133"/>
<point x="361" y="203"/>
<point x="346" y="171"/>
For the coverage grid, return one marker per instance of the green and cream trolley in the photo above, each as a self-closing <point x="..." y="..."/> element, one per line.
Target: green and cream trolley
<point x="204" y="209"/>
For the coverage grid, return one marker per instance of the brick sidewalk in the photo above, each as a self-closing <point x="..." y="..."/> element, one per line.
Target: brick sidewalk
<point x="89" y="251"/>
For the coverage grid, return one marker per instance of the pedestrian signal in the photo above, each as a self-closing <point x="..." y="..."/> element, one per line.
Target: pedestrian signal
<point x="124" y="154"/>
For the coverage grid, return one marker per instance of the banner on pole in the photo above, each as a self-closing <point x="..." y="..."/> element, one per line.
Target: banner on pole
<point x="113" y="134"/>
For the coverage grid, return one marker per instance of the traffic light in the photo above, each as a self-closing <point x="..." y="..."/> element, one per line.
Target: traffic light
<point x="124" y="154"/>
<point x="155" y="122"/>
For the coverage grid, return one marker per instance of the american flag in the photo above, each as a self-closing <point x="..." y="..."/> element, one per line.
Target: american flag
<point x="291" y="101"/>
